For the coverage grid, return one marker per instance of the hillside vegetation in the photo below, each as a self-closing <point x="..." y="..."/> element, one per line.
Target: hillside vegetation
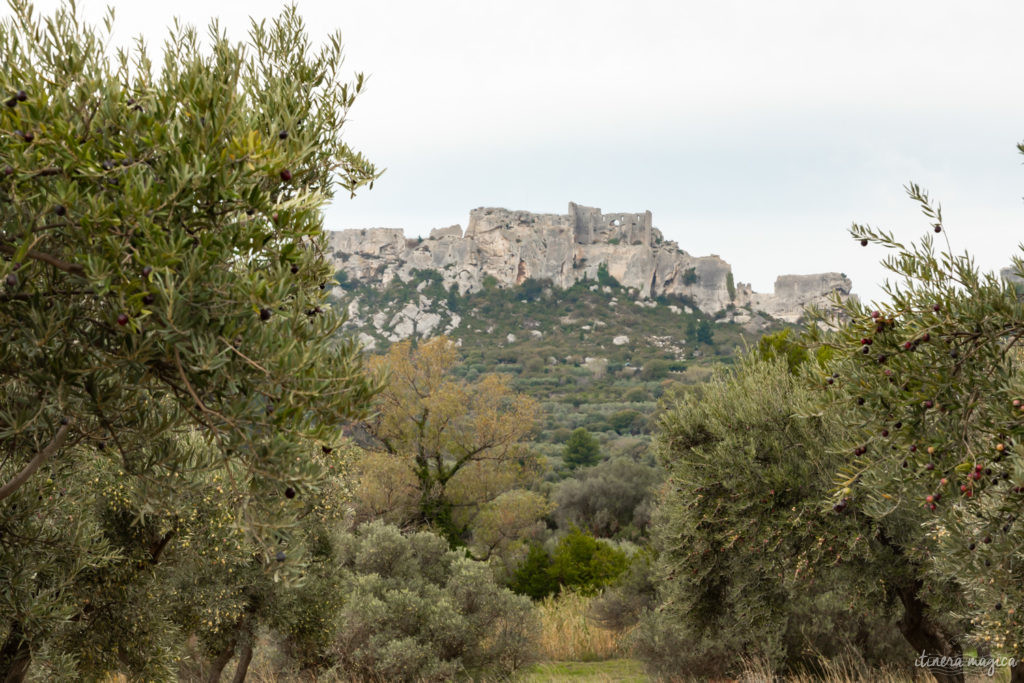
<point x="593" y="355"/>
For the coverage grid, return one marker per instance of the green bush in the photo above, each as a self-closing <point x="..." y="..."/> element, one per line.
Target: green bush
<point x="604" y="278"/>
<point x="624" y="421"/>
<point x="586" y="565"/>
<point x="705" y="332"/>
<point x="533" y="364"/>
<point x="532" y="288"/>
<point x="416" y="611"/>
<point x="533" y="577"/>
<point x="579" y="563"/>
<point x="610" y="499"/>
<point x="636" y="394"/>
<point x="582" y="449"/>
<point x="561" y="435"/>
<point x="656" y="369"/>
<point x="341" y="277"/>
<point x="621" y="606"/>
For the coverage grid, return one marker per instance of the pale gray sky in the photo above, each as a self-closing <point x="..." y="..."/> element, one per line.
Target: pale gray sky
<point x="755" y="130"/>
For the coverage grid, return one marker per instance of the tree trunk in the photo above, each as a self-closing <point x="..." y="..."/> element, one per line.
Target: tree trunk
<point x="926" y="637"/>
<point x="244" y="658"/>
<point x="15" y="656"/>
<point x="1017" y="672"/>
<point x="218" y="664"/>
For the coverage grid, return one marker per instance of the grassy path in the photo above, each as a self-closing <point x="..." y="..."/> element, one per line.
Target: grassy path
<point x="608" y="670"/>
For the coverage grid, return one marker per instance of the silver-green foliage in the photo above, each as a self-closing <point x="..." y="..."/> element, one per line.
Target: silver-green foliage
<point x="932" y="386"/>
<point x="751" y="563"/>
<point x="162" y="262"/>
<point x="415" y="610"/>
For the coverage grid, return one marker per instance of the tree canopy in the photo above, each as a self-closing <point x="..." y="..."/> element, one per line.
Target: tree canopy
<point x="162" y="278"/>
<point x="462" y="443"/>
<point x="582" y="449"/>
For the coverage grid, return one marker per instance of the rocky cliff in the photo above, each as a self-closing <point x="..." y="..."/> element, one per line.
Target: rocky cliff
<point x="512" y="246"/>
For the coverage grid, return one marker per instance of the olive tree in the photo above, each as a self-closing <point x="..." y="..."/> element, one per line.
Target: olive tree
<point x="162" y="272"/>
<point x="752" y="559"/>
<point x="932" y="386"/>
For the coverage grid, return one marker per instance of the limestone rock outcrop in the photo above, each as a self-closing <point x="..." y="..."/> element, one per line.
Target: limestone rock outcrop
<point x="793" y="293"/>
<point x="1009" y="273"/>
<point x="512" y="246"/>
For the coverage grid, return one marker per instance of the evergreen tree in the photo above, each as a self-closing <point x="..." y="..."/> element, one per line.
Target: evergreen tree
<point x="582" y="449"/>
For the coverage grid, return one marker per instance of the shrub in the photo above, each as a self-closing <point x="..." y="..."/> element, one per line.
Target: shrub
<point x="585" y="564"/>
<point x="622" y="606"/>
<point x="581" y="449"/>
<point x="561" y="435"/>
<point x="579" y="563"/>
<point x="623" y="421"/>
<point x="604" y="278"/>
<point x="533" y="577"/>
<point x="636" y="394"/>
<point x="656" y="369"/>
<point x="533" y="364"/>
<point x="611" y="498"/>
<point x="341" y="277"/>
<point x="705" y="332"/>
<point x="414" y="610"/>
<point x="532" y="288"/>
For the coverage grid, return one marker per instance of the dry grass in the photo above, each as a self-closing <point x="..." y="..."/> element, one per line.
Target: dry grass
<point x="854" y="671"/>
<point x="568" y="634"/>
<point x="834" y="672"/>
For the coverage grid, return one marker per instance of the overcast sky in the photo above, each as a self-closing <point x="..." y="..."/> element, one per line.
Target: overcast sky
<point x="754" y="130"/>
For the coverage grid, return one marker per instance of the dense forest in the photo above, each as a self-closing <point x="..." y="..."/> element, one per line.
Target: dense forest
<point x="202" y="473"/>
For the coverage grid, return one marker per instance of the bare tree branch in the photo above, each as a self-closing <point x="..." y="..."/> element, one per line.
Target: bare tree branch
<point x="73" y="268"/>
<point x="41" y="457"/>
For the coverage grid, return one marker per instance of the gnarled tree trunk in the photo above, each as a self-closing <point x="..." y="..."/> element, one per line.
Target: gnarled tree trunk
<point x="244" y="658"/>
<point x="242" y="640"/>
<point x="222" y="659"/>
<point x="926" y="637"/>
<point x="15" y="655"/>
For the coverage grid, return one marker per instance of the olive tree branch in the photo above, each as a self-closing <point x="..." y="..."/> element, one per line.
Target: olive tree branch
<point x="41" y="457"/>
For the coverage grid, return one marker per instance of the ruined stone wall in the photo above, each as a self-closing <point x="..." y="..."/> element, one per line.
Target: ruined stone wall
<point x="591" y="226"/>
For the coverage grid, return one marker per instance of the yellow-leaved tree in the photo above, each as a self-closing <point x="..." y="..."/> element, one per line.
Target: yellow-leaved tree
<point x="453" y="452"/>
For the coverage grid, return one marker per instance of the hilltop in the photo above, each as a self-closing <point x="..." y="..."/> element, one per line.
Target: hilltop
<point x="511" y="247"/>
<point x="596" y="315"/>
